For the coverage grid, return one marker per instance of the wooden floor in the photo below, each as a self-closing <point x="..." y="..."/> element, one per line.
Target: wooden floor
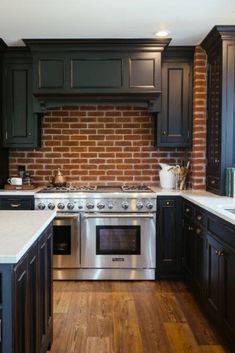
<point x="130" y="317"/>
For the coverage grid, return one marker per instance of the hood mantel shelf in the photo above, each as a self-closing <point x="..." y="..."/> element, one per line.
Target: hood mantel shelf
<point x="97" y="71"/>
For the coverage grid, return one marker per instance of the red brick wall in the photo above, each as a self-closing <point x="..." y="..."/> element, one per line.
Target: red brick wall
<point x="198" y="164"/>
<point x="97" y="144"/>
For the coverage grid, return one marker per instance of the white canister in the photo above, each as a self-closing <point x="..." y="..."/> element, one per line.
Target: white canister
<point x="167" y="177"/>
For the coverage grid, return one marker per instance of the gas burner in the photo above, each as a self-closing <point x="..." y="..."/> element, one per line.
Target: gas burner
<point x="69" y="188"/>
<point x="136" y="188"/>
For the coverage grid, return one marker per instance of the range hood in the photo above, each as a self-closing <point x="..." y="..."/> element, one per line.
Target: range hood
<point x="96" y="71"/>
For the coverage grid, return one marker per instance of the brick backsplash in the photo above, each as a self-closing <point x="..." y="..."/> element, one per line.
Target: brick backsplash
<point x="113" y="145"/>
<point x="97" y="145"/>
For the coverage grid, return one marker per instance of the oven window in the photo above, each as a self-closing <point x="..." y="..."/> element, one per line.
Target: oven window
<point x="62" y="240"/>
<point x="119" y="240"/>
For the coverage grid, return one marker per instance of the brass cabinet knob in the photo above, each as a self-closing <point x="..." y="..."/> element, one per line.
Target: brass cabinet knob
<point x="29" y="133"/>
<point x="187" y="210"/>
<point x="212" y="182"/>
<point x="198" y="231"/>
<point x="199" y="218"/>
<point x="164" y="133"/>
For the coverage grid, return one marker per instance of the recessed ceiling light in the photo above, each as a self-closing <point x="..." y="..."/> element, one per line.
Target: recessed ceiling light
<point x="161" y="34"/>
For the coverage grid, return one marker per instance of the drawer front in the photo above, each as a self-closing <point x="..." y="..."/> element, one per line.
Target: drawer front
<point x="221" y="230"/>
<point x="17" y="203"/>
<point x="212" y="183"/>
<point x="187" y="209"/>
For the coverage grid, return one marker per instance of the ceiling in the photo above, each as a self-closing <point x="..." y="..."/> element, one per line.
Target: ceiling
<point x="188" y="21"/>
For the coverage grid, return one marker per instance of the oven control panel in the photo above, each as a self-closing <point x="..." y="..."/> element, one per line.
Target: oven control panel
<point x="97" y="205"/>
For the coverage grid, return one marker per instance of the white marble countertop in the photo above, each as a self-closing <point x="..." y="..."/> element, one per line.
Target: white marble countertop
<point x="215" y="204"/>
<point x="20" y="192"/>
<point x="19" y="230"/>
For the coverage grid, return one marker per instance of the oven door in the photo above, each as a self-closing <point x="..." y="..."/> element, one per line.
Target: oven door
<point x="66" y="241"/>
<point x="118" y="240"/>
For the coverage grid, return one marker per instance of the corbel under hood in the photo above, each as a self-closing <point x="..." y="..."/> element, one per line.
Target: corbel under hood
<point x="100" y="71"/>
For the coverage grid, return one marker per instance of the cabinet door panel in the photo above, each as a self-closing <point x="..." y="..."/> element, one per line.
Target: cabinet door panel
<point x="228" y="282"/>
<point x="213" y="273"/>
<point x="169" y="238"/>
<point x="174" y="121"/>
<point x="20" y="125"/>
<point x="96" y="73"/>
<point x="21" y="309"/>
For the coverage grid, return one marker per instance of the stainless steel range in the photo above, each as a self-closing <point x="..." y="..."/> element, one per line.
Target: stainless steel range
<point x="102" y="232"/>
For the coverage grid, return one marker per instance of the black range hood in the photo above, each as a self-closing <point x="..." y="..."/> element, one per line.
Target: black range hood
<point x="96" y="71"/>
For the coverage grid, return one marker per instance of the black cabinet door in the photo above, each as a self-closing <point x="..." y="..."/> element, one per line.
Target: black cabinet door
<point x="214" y="289"/>
<point x="200" y="264"/>
<point x="20" y="125"/>
<point x="169" y="237"/>
<point x="227" y="257"/>
<point x="45" y="290"/>
<point x="220" y="50"/>
<point x="21" y="308"/>
<point x="174" y="121"/>
<point x="33" y="299"/>
<point x="189" y="246"/>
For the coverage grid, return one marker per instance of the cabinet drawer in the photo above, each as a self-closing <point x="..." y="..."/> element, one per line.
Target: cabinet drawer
<point x="221" y="230"/>
<point x="187" y="209"/>
<point x="17" y="203"/>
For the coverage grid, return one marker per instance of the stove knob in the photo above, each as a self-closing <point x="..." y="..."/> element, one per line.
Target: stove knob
<point x="80" y="206"/>
<point x="139" y="205"/>
<point x="51" y="206"/>
<point x="60" y="206"/>
<point x="41" y="206"/>
<point x="149" y="205"/>
<point x="100" y="205"/>
<point x="90" y="205"/>
<point x="70" y="206"/>
<point x="110" y="205"/>
<point x="125" y="205"/>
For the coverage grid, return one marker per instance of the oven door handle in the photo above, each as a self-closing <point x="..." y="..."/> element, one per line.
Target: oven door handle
<point x="136" y="215"/>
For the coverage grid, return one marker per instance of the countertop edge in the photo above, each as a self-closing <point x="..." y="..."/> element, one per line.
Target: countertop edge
<point x="13" y="259"/>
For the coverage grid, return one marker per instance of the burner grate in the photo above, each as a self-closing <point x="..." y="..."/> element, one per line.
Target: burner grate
<point x="69" y="188"/>
<point x="136" y="188"/>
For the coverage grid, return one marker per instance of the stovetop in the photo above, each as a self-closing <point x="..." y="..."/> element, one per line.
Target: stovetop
<point x="94" y="188"/>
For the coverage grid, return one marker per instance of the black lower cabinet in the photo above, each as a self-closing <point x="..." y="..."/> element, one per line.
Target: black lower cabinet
<point x="209" y="265"/>
<point x="169" y="237"/>
<point x="221" y="283"/>
<point x="26" y="301"/>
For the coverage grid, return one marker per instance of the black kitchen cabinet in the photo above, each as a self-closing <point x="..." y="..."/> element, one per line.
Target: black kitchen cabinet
<point x="3" y="151"/>
<point x="220" y="47"/>
<point x="174" y="122"/>
<point x="26" y="300"/>
<point x="114" y="70"/>
<point x="209" y="264"/>
<point x="169" y="237"/>
<point x="20" y="124"/>
<point x="16" y="202"/>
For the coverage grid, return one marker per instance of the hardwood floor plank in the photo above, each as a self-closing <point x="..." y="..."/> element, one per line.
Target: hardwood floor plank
<point x="169" y="309"/>
<point x="197" y="321"/>
<point x="126" y="334"/>
<point x="181" y="338"/>
<point x="213" y="349"/>
<point x="98" y="345"/>
<point x="154" y="337"/>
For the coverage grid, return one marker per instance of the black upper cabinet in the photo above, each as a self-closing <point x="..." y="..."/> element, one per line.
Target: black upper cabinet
<point x="220" y="47"/>
<point x="114" y="70"/>
<point x="3" y="151"/>
<point x="174" y="123"/>
<point x="20" y="125"/>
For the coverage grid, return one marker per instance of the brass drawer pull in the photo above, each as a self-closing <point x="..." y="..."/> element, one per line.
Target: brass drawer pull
<point x="190" y="228"/>
<point x="15" y="205"/>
